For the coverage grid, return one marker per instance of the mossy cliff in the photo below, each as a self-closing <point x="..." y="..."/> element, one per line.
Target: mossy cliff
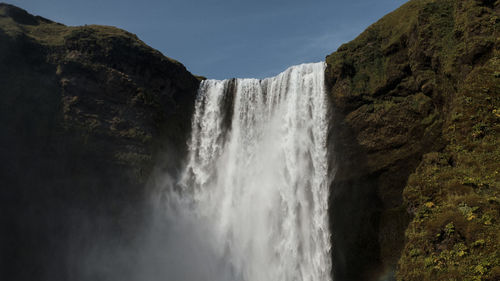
<point x="84" y="112"/>
<point x="87" y="112"/>
<point x="416" y="121"/>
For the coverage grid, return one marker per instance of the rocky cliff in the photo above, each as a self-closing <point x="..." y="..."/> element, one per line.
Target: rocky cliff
<point x="85" y="113"/>
<point x="416" y="99"/>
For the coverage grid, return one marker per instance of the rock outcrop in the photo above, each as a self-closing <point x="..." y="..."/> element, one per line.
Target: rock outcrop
<point x="85" y="113"/>
<point x="88" y="112"/>
<point x="416" y="99"/>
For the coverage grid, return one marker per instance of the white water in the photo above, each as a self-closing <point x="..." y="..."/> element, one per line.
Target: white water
<point x="255" y="189"/>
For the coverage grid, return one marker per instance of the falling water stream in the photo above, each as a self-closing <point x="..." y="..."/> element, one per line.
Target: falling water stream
<point x="256" y="180"/>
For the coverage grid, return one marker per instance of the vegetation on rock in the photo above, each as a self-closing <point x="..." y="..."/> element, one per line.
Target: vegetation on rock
<point x="86" y="113"/>
<point x="415" y="139"/>
<point x="418" y="93"/>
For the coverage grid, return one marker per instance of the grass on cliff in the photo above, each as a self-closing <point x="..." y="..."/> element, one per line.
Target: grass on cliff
<point x="448" y="51"/>
<point x="16" y="22"/>
<point x="455" y="194"/>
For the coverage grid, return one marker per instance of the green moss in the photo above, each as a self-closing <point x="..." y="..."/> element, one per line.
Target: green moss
<point x="111" y="92"/>
<point x="419" y="90"/>
<point x="466" y="191"/>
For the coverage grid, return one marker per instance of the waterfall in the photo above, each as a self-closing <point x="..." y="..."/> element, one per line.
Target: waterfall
<point x="255" y="185"/>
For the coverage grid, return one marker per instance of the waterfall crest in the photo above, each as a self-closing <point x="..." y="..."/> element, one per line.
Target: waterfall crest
<point x="256" y="178"/>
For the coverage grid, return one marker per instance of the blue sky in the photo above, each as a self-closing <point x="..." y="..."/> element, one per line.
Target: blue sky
<point x="227" y="38"/>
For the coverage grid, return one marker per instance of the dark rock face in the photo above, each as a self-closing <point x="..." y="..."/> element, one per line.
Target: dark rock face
<point x="85" y="113"/>
<point x="395" y="90"/>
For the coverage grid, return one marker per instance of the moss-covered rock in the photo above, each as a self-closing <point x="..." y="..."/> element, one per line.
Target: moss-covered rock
<point x="415" y="99"/>
<point x="85" y="114"/>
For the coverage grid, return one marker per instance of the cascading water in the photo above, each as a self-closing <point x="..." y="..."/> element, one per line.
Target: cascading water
<point x="256" y="183"/>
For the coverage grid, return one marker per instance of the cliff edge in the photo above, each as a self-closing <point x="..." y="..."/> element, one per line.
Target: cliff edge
<point x="417" y="100"/>
<point x="86" y="113"/>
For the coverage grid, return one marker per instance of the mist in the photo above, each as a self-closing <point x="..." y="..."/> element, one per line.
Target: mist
<point x="249" y="204"/>
<point x="168" y="244"/>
